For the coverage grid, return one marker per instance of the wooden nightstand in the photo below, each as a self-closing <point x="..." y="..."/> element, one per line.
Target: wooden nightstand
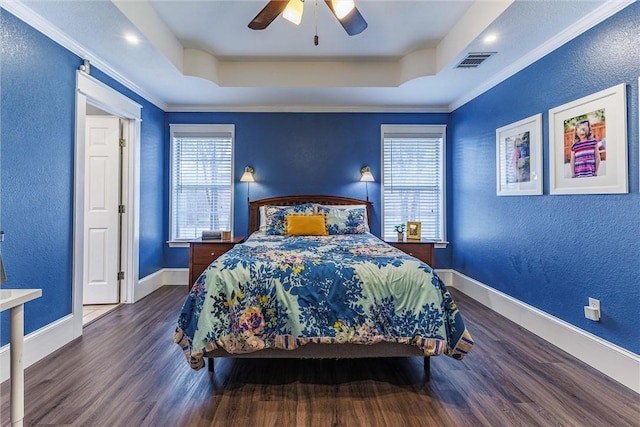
<point x="204" y="252"/>
<point x="422" y="249"/>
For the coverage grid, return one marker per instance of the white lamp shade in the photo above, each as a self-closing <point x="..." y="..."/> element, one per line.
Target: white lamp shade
<point x="247" y="176"/>
<point x="366" y="175"/>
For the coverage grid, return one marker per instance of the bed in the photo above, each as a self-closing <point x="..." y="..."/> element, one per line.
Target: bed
<point x="342" y="295"/>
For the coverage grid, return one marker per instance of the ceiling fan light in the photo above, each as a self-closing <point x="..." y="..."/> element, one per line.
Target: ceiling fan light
<point x="342" y="7"/>
<point x="293" y="11"/>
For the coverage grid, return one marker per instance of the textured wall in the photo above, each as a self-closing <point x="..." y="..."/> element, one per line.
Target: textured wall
<point x="304" y="153"/>
<point x="532" y="248"/>
<point x="37" y="123"/>
<point x="37" y="131"/>
<point x="553" y="252"/>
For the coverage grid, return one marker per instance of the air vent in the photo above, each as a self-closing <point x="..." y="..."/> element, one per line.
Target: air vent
<point x="473" y="59"/>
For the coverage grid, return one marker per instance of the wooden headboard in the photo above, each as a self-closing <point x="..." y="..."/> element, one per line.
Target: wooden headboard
<point x="297" y="200"/>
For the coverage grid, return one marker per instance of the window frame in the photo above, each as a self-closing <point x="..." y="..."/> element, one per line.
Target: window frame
<point x="418" y="130"/>
<point x="204" y="130"/>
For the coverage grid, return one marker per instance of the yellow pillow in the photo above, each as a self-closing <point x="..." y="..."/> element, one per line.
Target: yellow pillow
<point x="306" y="225"/>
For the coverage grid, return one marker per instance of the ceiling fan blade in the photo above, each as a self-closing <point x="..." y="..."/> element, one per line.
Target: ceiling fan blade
<point x="268" y="14"/>
<point x="353" y="23"/>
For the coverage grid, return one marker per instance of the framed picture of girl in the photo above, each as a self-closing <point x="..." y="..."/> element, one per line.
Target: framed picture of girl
<point x="588" y="144"/>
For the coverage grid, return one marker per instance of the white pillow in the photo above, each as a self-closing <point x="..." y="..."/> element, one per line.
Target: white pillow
<point x="262" y="217"/>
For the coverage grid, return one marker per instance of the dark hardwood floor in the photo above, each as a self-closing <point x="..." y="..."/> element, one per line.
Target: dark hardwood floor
<point x="126" y="371"/>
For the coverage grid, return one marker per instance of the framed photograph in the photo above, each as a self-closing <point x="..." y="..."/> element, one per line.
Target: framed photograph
<point x="519" y="158"/>
<point x="414" y="230"/>
<point x="588" y="144"/>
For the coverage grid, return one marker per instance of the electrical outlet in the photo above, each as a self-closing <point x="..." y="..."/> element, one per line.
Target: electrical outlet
<point x="592" y="311"/>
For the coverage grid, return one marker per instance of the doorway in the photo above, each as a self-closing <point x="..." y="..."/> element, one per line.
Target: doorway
<point x="102" y="234"/>
<point x="105" y="209"/>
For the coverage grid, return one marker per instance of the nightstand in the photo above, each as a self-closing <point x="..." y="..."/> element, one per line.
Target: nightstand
<point x="204" y="252"/>
<point x="422" y="249"/>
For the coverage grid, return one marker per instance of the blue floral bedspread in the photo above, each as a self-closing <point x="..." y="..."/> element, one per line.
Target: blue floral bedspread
<point x="282" y="292"/>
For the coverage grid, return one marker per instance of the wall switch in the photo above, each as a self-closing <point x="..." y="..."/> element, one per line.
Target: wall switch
<point x="592" y="311"/>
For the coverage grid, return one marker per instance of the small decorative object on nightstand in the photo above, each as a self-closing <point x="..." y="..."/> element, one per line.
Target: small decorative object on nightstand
<point x="400" y="230"/>
<point x="414" y="230"/>
<point x="422" y="249"/>
<point x="204" y="252"/>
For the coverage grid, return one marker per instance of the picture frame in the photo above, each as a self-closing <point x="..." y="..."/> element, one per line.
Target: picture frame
<point x="588" y="144"/>
<point x="519" y="158"/>
<point x="414" y="230"/>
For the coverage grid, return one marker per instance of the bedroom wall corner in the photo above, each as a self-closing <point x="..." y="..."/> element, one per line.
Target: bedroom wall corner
<point x="614" y="361"/>
<point x="164" y="277"/>
<point x="553" y="252"/>
<point x="37" y="130"/>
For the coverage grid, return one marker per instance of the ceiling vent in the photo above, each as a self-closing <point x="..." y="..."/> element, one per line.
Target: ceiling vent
<point x="473" y="59"/>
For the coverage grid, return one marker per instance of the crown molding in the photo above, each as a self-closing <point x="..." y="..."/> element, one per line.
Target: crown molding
<point x="603" y="12"/>
<point x="303" y="109"/>
<point x="24" y="13"/>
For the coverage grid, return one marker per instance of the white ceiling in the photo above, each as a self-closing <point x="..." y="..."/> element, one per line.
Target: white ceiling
<point x="201" y="56"/>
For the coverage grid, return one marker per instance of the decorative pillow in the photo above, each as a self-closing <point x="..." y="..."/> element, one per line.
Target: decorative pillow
<point x="275" y="216"/>
<point x="364" y="207"/>
<point x="345" y="220"/>
<point x="306" y="225"/>
<point x="262" y="216"/>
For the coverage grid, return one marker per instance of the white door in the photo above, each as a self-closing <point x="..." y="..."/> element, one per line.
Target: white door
<point x="101" y="233"/>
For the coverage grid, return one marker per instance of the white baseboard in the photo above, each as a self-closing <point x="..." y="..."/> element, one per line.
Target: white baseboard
<point x="154" y="281"/>
<point x="41" y="343"/>
<point x="176" y="276"/>
<point x="617" y="363"/>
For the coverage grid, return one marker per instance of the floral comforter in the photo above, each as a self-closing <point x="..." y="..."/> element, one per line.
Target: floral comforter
<point x="282" y="292"/>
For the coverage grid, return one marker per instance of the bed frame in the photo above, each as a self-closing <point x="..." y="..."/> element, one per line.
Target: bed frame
<point x="312" y="350"/>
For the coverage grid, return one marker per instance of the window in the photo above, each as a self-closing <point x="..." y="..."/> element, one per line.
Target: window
<point x="413" y="159"/>
<point x="201" y="180"/>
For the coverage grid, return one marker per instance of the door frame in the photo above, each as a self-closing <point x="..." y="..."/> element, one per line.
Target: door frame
<point x="89" y="90"/>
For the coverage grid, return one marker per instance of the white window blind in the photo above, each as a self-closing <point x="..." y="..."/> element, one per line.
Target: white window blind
<point x="201" y="180"/>
<point x="413" y="179"/>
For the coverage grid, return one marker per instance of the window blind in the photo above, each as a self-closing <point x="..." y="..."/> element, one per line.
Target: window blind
<point x="201" y="181"/>
<point x="413" y="179"/>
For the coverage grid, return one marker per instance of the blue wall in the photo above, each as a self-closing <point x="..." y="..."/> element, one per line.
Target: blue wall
<point x="37" y="151"/>
<point x="553" y="252"/>
<point x="531" y="248"/>
<point x="37" y="169"/>
<point x="304" y="153"/>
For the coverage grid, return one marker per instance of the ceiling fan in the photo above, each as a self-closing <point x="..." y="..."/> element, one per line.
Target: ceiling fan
<point x="344" y="10"/>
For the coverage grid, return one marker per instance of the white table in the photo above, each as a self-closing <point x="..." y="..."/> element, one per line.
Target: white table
<point x="14" y="299"/>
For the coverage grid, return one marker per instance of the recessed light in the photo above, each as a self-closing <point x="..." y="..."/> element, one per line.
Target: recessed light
<point x="490" y="38"/>
<point x="132" y="38"/>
